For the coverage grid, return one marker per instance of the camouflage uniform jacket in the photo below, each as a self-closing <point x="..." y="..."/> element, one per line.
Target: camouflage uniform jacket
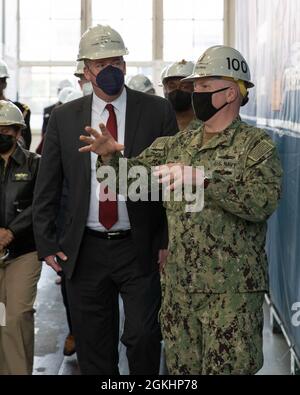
<point x="195" y="124"/>
<point x="222" y="248"/>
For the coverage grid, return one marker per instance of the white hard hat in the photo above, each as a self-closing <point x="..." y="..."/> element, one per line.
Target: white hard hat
<point x="10" y="114"/>
<point x="3" y="70"/>
<point x="79" y="72"/>
<point x="101" y="42"/>
<point x="179" y="69"/>
<point x="222" y="61"/>
<point x="64" y="93"/>
<point x="73" y="96"/>
<point x="162" y="75"/>
<point x="140" y="83"/>
<point x="87" y="88"/>
<point x="64" y="84"/>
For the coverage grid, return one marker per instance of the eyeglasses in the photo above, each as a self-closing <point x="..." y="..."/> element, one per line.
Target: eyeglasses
<point x="178" y="84"/>
<point x="100" y="65"/>
<point x="5" y="130"/>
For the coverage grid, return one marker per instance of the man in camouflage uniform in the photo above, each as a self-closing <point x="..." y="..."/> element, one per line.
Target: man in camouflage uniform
<point x="179" y="93"/>
<point x="216" y="275"/>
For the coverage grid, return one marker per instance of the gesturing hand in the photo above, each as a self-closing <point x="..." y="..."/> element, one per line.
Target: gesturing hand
<point x="101" y="143"/>
<point x="177" y="175"/>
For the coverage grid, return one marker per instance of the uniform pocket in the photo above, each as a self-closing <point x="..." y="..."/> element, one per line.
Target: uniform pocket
<point x="21" y="177"/>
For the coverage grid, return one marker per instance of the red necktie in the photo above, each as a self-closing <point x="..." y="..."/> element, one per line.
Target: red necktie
<point x="108" y="210"/>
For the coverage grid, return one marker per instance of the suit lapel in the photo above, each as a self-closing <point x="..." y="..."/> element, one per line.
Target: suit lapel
<point x="85" y="119"/>
<point x="133" y="114"/>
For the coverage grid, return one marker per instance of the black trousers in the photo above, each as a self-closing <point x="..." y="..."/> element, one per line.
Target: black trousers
<point x="104" y="269"/>
<point x="66" y="302"/>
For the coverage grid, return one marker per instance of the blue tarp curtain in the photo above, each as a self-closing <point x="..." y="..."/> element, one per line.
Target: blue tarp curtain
<point x="268" y="35"/>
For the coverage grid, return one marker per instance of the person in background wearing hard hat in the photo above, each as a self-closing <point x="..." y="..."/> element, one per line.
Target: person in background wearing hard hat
<point x="25" y="137"/>
<point x="48" y="111"/>
<point x="76" y="94"/>
<point x="216" y="274"/>
<point x="108" y="247"/>
<point x="179" y="94"/>
<point x="20" y="270"/>
<point x="141" y="83"/>
<point x="85" y="85"/>
<point x="64" y="94"/>
<point x="162" y="75"/>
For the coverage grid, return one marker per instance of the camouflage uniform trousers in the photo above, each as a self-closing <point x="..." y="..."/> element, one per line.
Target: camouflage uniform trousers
<point x="212" y="334"/>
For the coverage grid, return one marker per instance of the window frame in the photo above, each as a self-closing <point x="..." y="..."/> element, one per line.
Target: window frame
<point x="157" y="63"/>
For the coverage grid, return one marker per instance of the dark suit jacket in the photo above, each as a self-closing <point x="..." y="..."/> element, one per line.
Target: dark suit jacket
<point x="147" y="118"/>
<point x="46" y="116"/>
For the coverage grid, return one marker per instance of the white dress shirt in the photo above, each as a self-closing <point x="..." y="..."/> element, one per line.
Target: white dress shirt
<point x="100" y="115"/>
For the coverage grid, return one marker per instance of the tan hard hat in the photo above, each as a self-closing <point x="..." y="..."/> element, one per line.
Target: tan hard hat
<point x="222" y="61"/>
<point x="101" y="42"/>
<point x="140" y="83"/>
<point x="179" y="69"/>
<point x="10" y="114"/>
<point x="79" y="72"/>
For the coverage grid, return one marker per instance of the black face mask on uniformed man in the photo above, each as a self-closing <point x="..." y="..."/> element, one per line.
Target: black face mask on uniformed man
<point x="180" y="100"/>
<point x="6" y="143"/>
<point x="202" y="104"/>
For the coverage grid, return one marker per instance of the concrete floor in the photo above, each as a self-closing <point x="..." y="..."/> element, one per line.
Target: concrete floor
<point x="51" y="330"/>
<point x="277" y="359"/>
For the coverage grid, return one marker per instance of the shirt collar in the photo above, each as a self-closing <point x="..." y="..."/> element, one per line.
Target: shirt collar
<point x="119" y="104"/>
<point x="224" y="138"/>
<point x="18" y="156"/>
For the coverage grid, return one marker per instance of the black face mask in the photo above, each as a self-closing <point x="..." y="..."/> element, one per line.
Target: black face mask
<point x="203" y="107"/>
<point x="180" y="100"/>
<point x="6" y="143"/>
<point x="245" y="100"/>
<point x="111" y="80"/>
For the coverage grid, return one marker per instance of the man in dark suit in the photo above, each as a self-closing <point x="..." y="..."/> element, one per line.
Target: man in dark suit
<point x="105" y="248"/>
<point x="48" y="111"/>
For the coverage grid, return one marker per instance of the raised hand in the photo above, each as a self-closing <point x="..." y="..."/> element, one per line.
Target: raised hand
<point x="101" y="143"/>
